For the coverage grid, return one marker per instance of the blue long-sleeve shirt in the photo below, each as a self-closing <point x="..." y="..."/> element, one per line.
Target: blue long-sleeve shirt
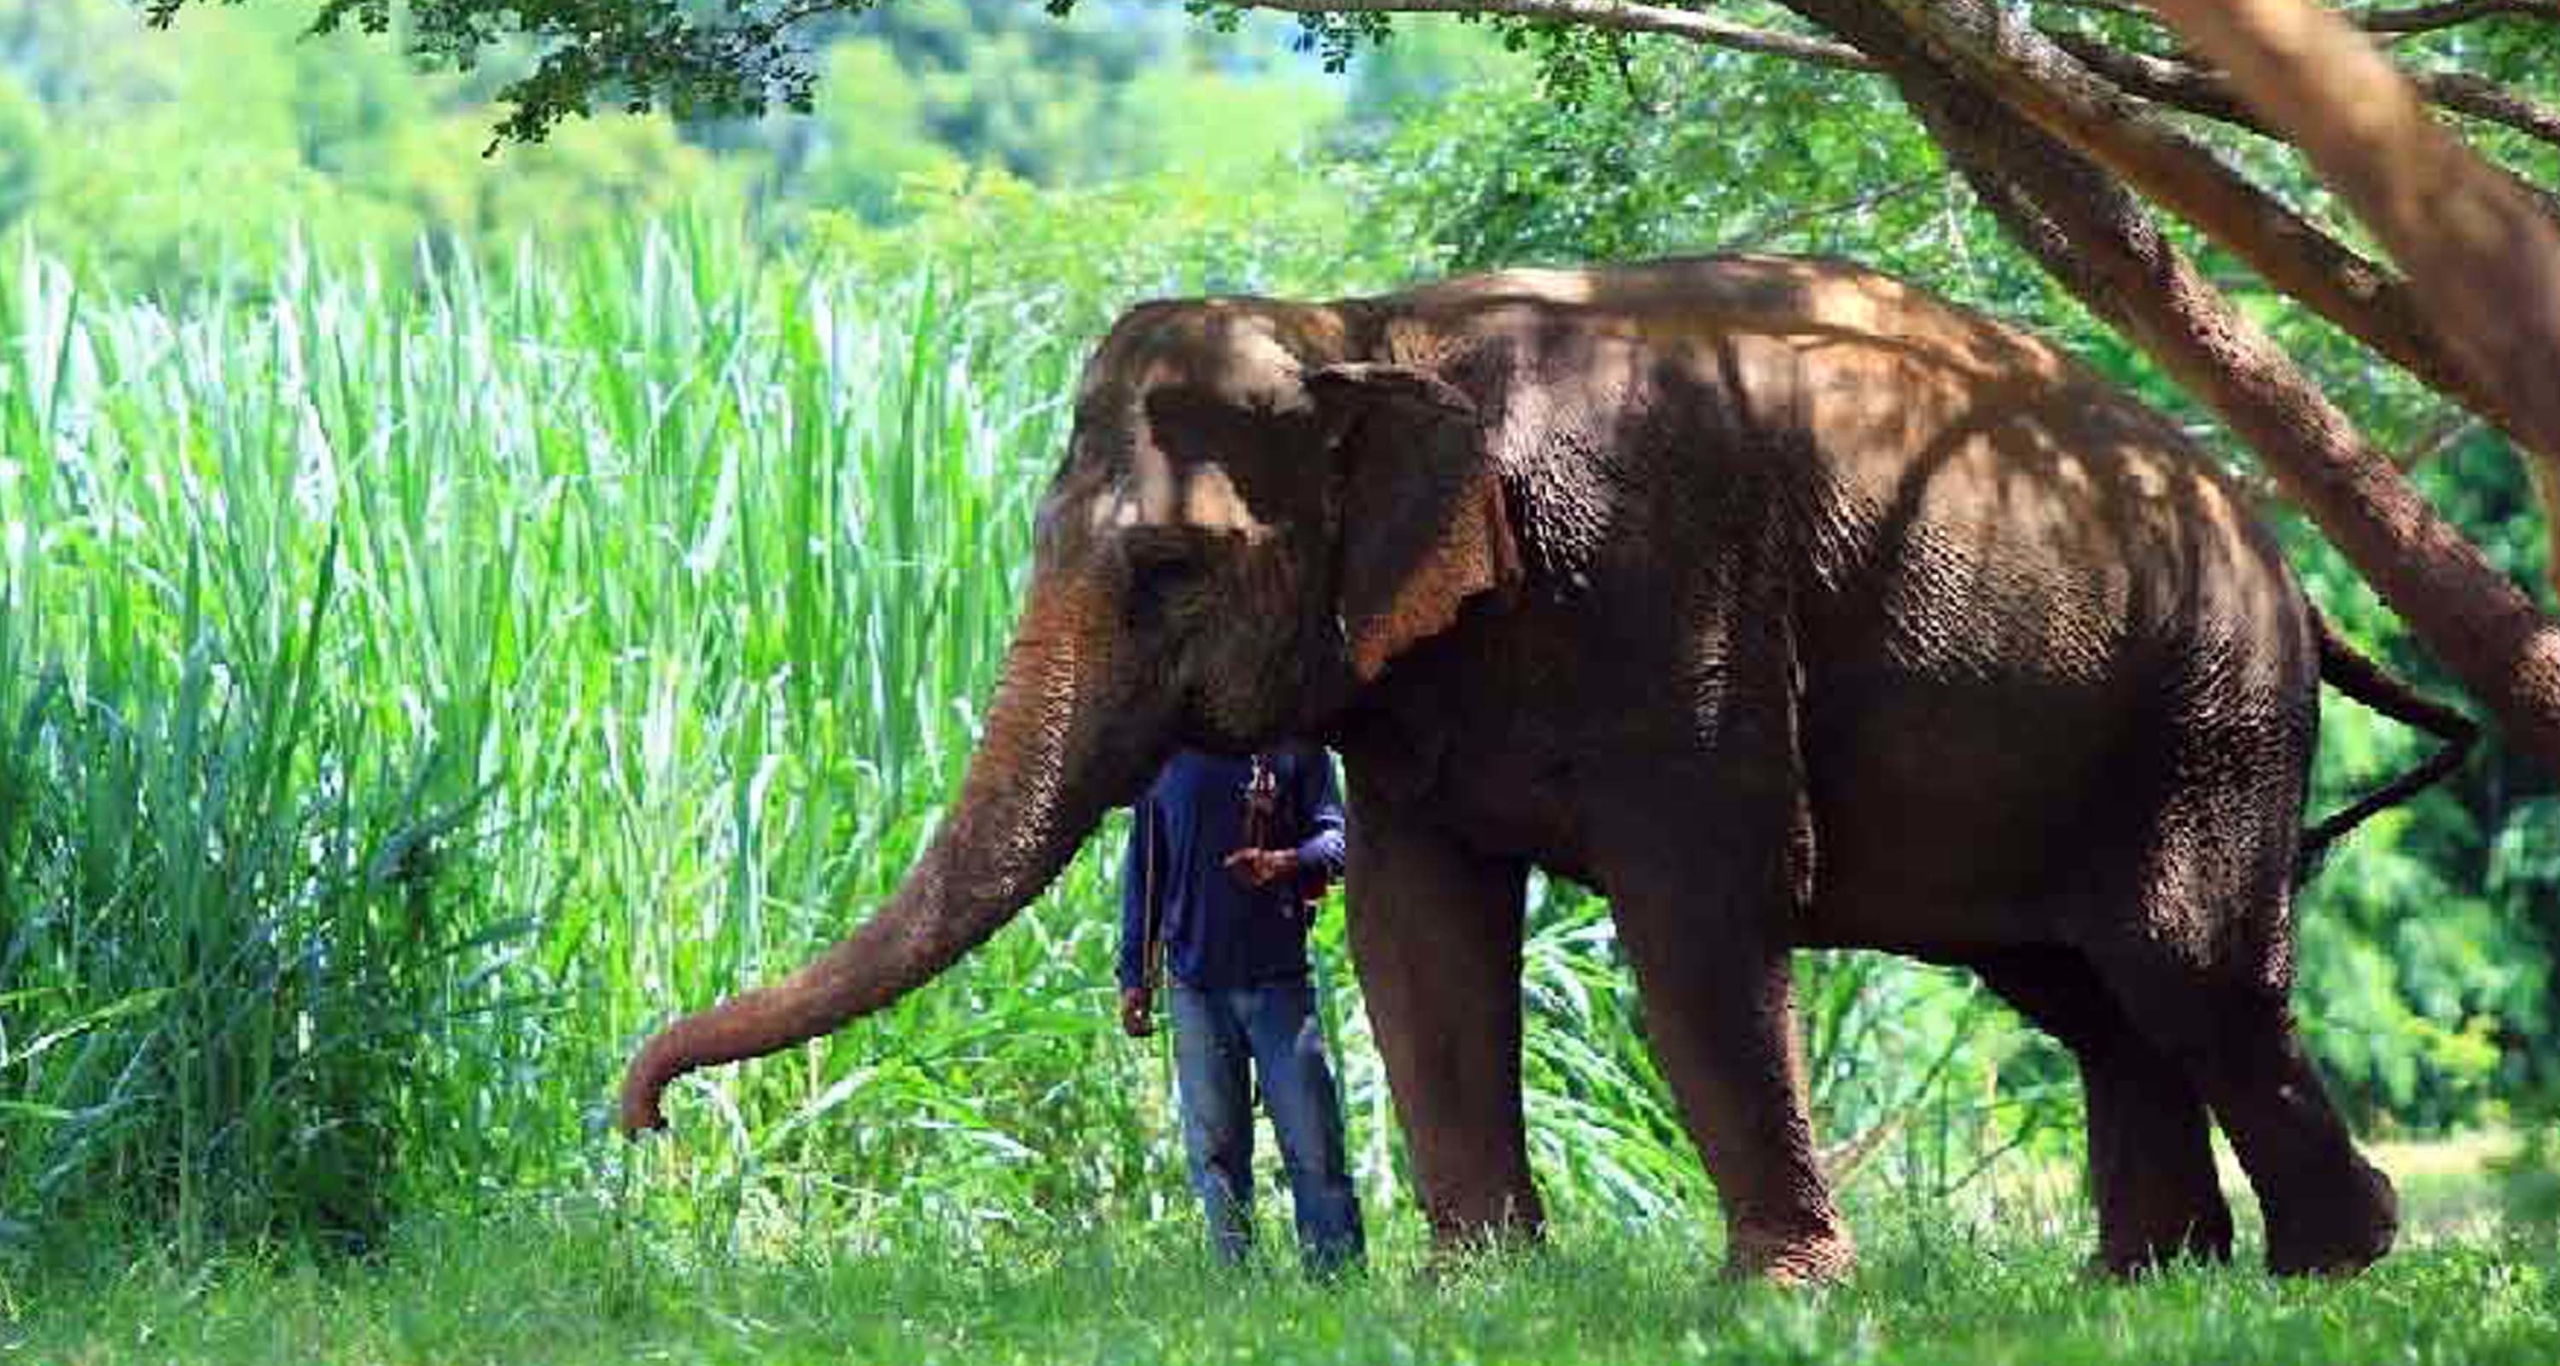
<point x="1219" y="932"/>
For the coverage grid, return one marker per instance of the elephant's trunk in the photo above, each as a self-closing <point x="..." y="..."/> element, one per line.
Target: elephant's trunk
<point x="1033" y="792"/>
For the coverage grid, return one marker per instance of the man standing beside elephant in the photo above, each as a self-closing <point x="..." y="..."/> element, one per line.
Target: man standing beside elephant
<point x="1225" y="862"/>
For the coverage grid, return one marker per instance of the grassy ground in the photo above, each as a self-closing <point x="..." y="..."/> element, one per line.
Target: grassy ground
<point x="564" y="1287"/>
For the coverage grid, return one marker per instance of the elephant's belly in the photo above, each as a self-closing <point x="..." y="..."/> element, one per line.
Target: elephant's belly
<point x="1952" y="818"/>
<point x="1519" y="805"/>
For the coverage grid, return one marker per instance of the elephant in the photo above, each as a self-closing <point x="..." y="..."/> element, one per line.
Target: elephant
<point x="1782" y="603"/>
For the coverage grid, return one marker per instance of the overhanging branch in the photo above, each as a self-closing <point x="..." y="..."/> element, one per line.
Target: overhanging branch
<point x="1609" y="15"/>
<point x="2483" y="99"/>
<point x="2183" y="85"/>
<point x="2396" y="21"/>
<point x="2027" y="71"/>
<point x="2161" y="80"/>
<point x="2486" y="257"/>
<point x="2031" y="72"/>
<point x="2196" y="90"/>
<point x="2428" y="18"/>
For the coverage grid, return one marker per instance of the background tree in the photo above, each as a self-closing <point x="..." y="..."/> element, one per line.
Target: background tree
<point x="2065" y="116"/>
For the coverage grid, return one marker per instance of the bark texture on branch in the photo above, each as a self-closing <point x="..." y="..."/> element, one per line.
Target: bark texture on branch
<point x="2487" y="263"/>
<point x="2427" y="18"/>
<point x="2484" y="257"/>
<point x="2199" y="90"/>
<point x="1610" y="15"/>
<point x="2034" y="76"/>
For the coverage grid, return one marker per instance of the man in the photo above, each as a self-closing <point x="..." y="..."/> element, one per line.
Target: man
<point x="1225" y="861"/>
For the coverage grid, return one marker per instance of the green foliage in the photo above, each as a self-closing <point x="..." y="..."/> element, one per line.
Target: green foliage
<point x="192" y="159"/>
<point x="1004" y="84"/>
<point x="676" y="676"/>
<point x="186" y="161"/>
<point x="218" y="967"/>
<point x="872" y="142"/>
<point x="1022" y="248"/>
<point x="905" y="126"/>
<point x="1000" y="75"/>
<point x="922" y="89"/>
<point x="23" y="138"/>
<point x="1652" y="160"/>
<point x="2529" y="1178"/>
<point x="2427" y="941"/>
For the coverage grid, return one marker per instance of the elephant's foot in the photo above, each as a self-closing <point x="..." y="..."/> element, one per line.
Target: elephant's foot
<point x="1789" y="1257"/>
<point x="2132" y="1250"/>
<point x="2334" y="1231"/>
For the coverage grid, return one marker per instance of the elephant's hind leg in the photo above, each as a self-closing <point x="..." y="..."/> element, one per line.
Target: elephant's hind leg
<point x="2205" y="976"/>
<point x="2328" y="1211"/>
<point x="1436" y="935"/>
<point x="2205" y="968"/>
<point x="2150" y="1144"/>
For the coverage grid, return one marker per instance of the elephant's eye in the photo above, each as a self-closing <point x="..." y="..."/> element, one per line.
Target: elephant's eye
<point x="1163" y="569"/>
<point x="1161" y="552"/>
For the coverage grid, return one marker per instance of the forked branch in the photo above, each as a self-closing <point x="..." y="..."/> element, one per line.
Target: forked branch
<point x="1611" y="16"/>
<point x="2485" y="258"/>
<point x="2029" y="72"/>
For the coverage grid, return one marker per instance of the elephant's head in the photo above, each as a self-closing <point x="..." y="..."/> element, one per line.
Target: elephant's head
<point x="1257" y="512"/>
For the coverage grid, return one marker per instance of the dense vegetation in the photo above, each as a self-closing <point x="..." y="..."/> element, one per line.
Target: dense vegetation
<point x="456" y="612"/>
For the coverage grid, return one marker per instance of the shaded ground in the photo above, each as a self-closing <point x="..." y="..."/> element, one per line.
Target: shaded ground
<point x="561" y="1287"/>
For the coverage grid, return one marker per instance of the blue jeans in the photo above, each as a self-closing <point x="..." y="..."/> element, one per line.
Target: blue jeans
<point x="1273" y="1031"/>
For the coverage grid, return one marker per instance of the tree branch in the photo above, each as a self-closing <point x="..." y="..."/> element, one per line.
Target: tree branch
<point x="2427" y="18"/>
<point x="2026" y="70"/>
<point x="2161" y="80"/>
<point x="2128" y="9"/>
<point x="1606" y="14"/>
<point x="1758" y="235"/>
<point x="2033" y="74"/>
<point x="2484" y="99"/>
<point x="2182" y="85"/>
<point x="2398" y="22"/>
<point x="2450" y="426"/>
<point x="2186" y="86"/>
<point x="2486" y="260"/>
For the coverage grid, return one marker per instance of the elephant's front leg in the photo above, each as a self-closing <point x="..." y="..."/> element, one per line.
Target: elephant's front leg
<point x="1718" y="1002"/>
<point x="1435" y="931"/>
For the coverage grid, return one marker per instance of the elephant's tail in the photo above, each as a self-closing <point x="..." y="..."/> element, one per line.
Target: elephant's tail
<point x="2365" y="681"/>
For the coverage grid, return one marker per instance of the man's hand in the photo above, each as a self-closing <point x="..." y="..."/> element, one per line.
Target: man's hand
<point x="1262" y="867"/>
<point x="1137" y="1012"/>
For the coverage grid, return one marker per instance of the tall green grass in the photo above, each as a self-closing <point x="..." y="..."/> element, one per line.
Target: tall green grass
<point x="562" y="1290"/>
<point x="410" y="695"/>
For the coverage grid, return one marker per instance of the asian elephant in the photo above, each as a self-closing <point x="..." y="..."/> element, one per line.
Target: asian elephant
<point x="1784" y="604"/>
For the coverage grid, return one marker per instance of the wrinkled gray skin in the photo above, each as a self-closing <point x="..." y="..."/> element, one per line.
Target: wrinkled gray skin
<point x="1784" y="604"/>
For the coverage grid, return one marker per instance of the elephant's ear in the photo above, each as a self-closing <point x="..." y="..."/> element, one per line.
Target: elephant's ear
<point x="1424" y="526"/>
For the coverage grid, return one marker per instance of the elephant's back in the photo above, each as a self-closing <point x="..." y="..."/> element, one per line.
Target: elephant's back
<point x="1807" y="305"/>
<point x="1940" y="457"/>
<point x="1892" y="390"/>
